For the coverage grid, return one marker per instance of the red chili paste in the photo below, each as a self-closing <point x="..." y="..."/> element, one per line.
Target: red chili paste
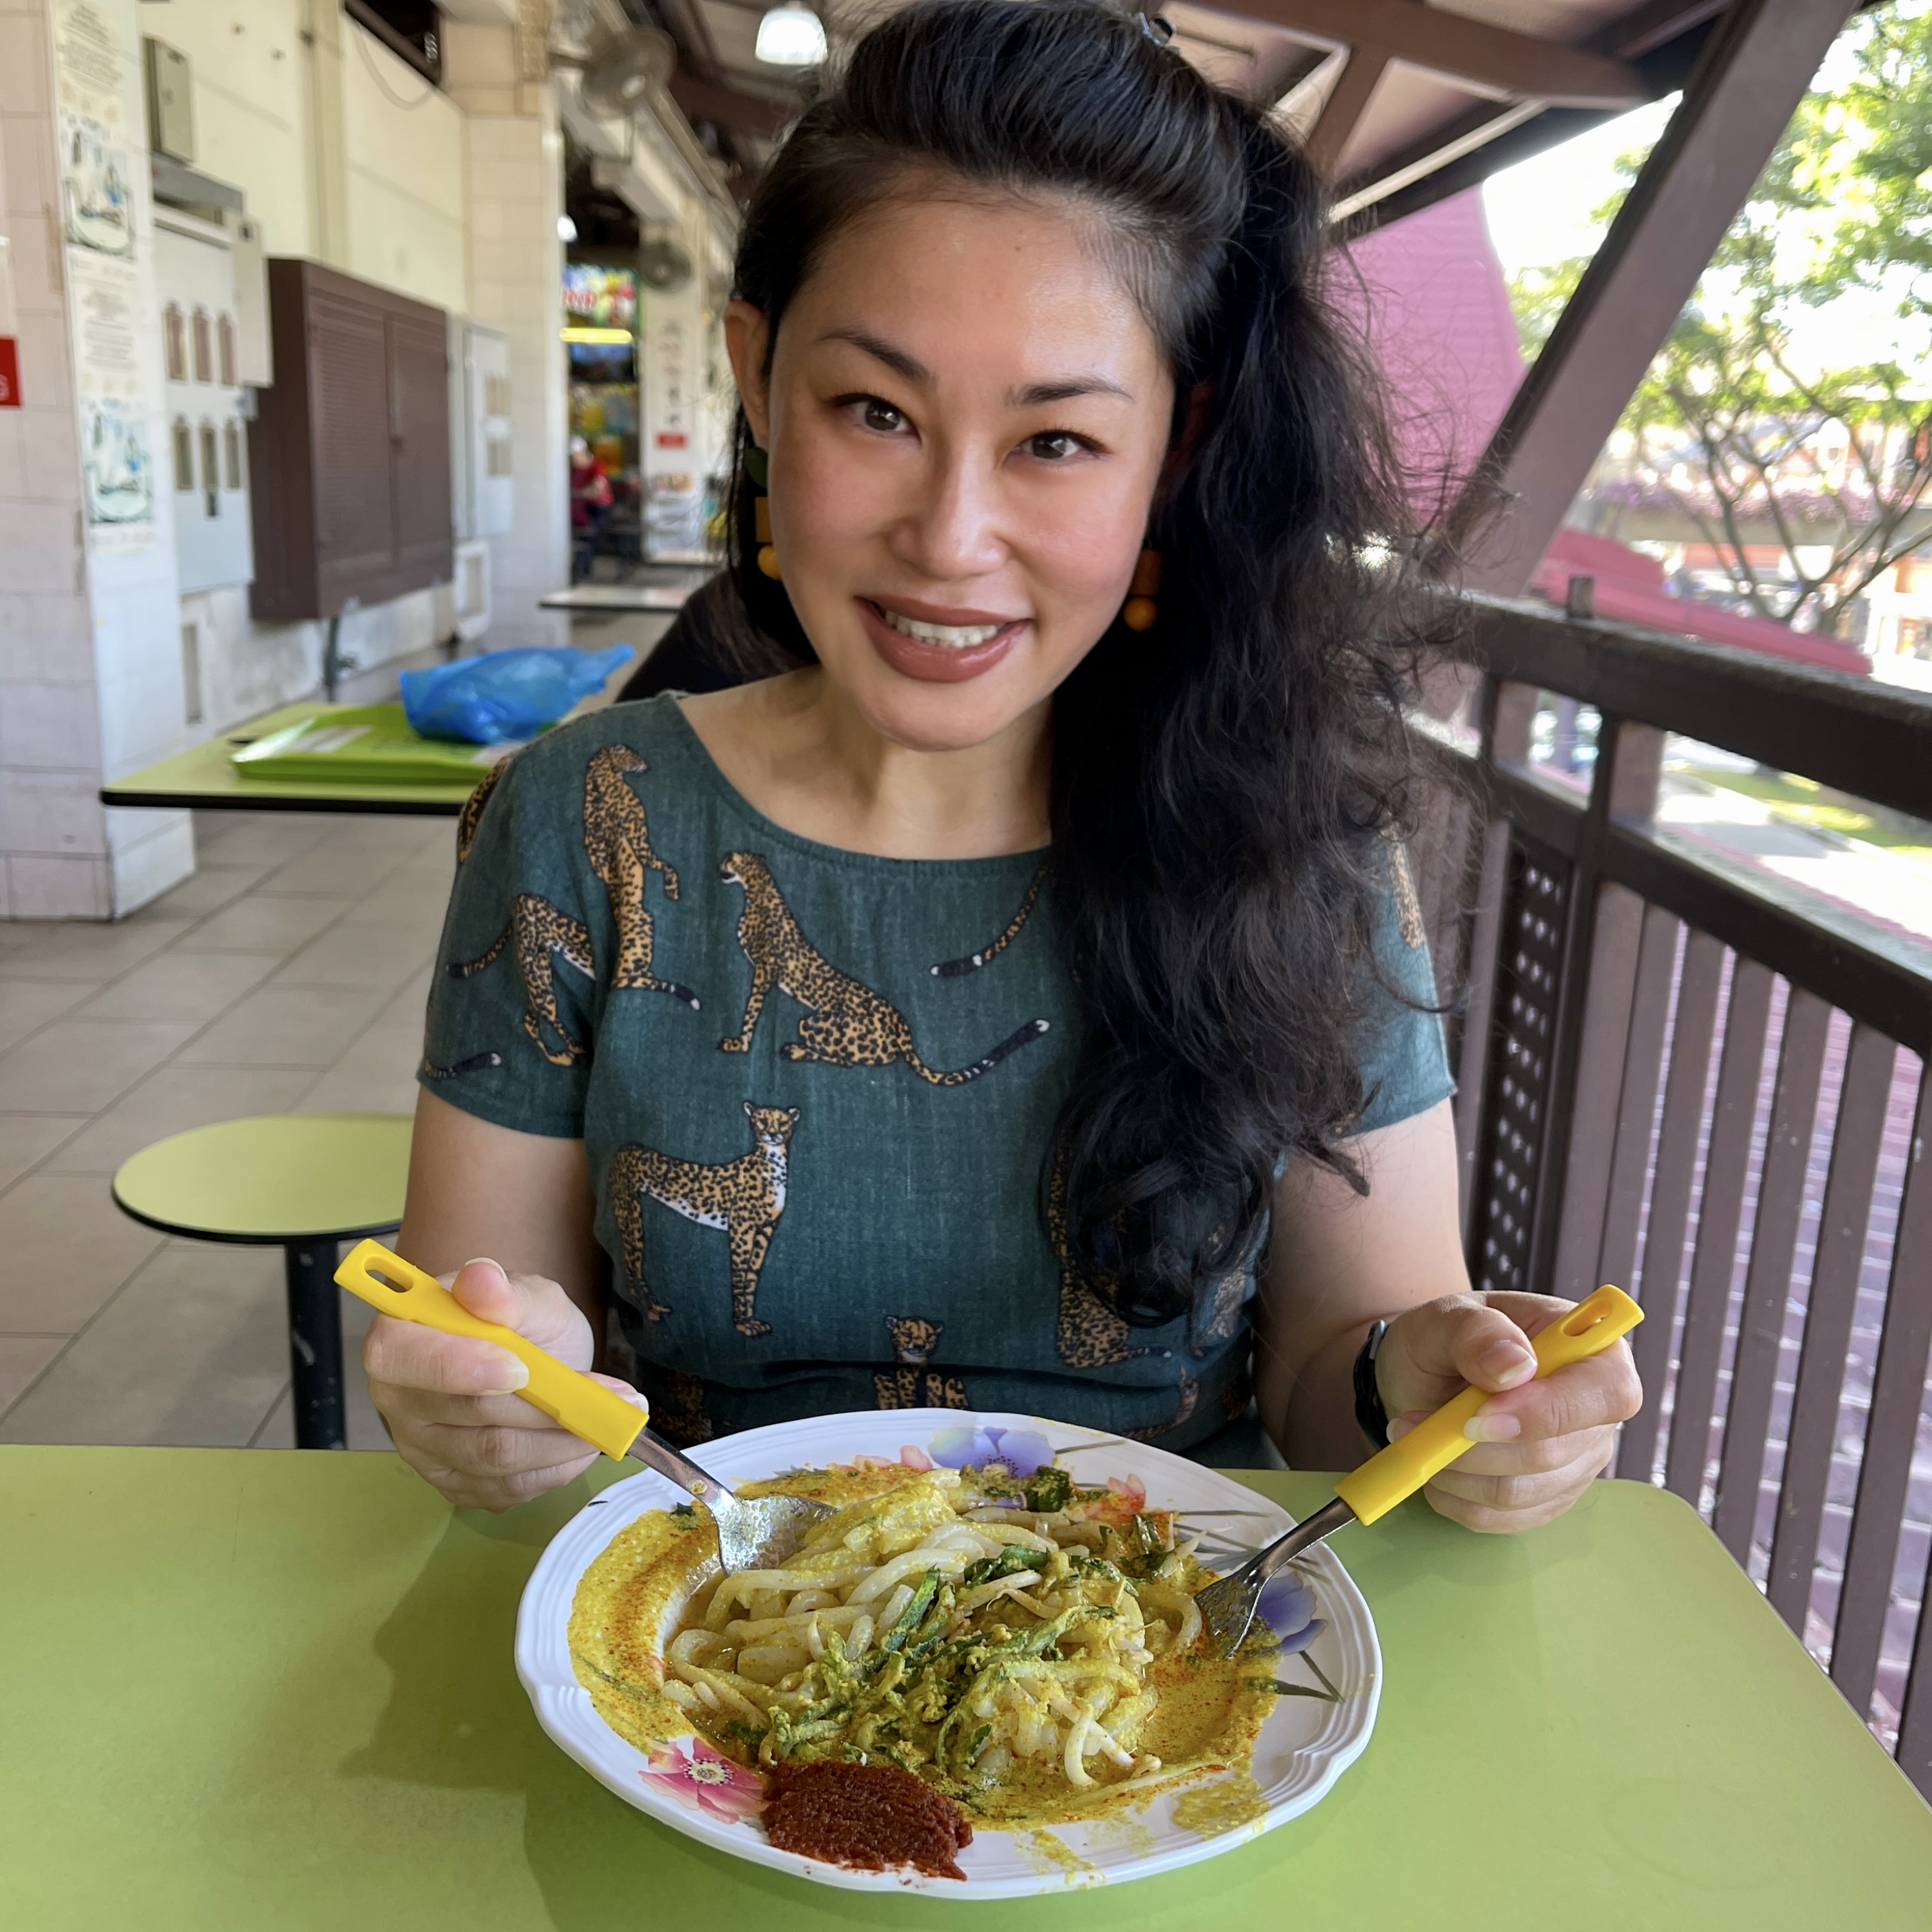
<point x="870" y="1816"/>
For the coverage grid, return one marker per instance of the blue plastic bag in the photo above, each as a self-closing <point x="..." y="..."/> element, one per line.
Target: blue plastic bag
<point x="504" y="695"/>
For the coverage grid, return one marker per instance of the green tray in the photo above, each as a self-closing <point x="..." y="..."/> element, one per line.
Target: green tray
<point x="365" y="744"/>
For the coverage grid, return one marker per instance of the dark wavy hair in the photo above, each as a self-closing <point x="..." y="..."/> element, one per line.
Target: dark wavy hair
<point x="1219" y="780"/>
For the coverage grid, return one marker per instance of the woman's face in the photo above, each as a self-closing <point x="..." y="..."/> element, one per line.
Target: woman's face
<point x="966" y="418"/>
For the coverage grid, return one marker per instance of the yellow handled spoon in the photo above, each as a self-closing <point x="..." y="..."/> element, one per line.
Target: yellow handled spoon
<point x="753" y="1533"/>
<point x="1391" y="1475"/>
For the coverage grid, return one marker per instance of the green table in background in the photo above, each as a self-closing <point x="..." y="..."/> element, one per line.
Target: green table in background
<point x="202" y="778"/>
<point x="261" y="1691"/>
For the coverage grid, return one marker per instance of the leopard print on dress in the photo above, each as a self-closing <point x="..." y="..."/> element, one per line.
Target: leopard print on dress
<point x="1408" y="906"/>
<point x="911" y="1384"/>
<point x="471" y="814"/>
<point x="1089" y="1334"/>
<point x="681" y="1416"/>
<point x="953" y="969"/>
<point x="846" y="1024"/>
<point x="542" y="934"/>
<point x="619" y="850"/>
<point x="1187" y="1398"/>
<point x="744" y="1197"/>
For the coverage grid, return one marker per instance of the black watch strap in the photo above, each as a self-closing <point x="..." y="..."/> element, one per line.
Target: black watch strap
<point x="1370" y="1412"/>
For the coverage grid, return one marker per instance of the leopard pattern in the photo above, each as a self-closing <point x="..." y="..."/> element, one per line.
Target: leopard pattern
<point x="745" y="1198"/>
<point x="846" y="1024"/>
<point x="954" y="969"/>
<point x="1408" y="904"/>
<point x="543" y="935"/>
<point x="1223" y="1313"/>
<point x="471" y="814"/>
<point x="1187" y="1400"/>
<point x="680" y="1417"/>
<point x="1088" y="1334"/>
<point x="911" y="1384"/>
<point x="618" y="846"/>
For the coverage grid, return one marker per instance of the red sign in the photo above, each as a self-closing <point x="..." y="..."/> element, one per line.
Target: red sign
<point x="671" y="438"/>
<point x="9" y="373"/>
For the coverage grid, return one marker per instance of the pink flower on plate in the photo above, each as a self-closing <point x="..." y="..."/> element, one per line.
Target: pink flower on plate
<point x="705" y="1781"/>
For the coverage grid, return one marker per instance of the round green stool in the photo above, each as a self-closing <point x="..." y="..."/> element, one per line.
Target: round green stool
<point x="301" y="1182"/>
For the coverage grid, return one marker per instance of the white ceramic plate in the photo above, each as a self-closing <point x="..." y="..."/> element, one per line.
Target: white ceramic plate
<point x="1304" y="1746"/>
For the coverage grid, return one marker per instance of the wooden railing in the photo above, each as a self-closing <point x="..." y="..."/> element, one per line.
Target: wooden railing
<point x="1681" y="1074"/>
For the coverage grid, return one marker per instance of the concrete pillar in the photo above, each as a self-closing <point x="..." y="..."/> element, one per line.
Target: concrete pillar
<point x="515" y="152"/>
<point x="91" y="683"/>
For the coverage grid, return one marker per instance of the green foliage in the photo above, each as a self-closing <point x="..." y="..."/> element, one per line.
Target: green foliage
<point x="1730" y="422"/>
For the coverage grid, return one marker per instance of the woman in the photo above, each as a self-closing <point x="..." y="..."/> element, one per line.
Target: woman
<point x="1021" y="1005"/>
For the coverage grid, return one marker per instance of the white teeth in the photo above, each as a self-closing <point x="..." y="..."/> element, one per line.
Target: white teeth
<point x="947" y="637"/>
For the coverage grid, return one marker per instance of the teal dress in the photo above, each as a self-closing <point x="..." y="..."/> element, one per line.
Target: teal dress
<point x="815" y="1090"/>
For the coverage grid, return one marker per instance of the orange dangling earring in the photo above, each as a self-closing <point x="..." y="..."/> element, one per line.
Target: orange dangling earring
<point x="768" y="555"/>
<point x="757" y="467"/>
<point x="1141" y="612"/>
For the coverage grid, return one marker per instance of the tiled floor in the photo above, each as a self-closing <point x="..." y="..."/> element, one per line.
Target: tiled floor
<point x="289" y="972"/>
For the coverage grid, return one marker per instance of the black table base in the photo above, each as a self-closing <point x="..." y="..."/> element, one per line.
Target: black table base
<point x="315" y="1344"/>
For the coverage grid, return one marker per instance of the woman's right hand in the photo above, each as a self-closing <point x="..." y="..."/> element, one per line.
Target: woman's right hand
<point x="449" y="1401"/>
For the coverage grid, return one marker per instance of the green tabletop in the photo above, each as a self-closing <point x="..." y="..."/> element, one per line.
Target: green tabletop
<point x="272" y="1178"/>
<point x="245" y="1689"/>
<point x="204" y="777"/>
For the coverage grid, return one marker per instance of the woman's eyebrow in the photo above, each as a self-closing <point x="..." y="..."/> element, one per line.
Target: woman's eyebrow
<point x="1032" y="396"/>
<point x="1064" y="390"/>
<point x="895" y="359"/>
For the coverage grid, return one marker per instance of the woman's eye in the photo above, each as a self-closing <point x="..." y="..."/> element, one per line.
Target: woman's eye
<point x="1053" y="445"/>
<point x="883" y="417"/>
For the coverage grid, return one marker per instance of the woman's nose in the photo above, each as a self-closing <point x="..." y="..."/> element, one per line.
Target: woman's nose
<point x="953" y="531"/>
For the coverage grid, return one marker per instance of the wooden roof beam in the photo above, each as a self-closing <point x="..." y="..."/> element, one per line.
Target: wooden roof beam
<point x="1489" y="59"/>
<point x="727" y="106"/>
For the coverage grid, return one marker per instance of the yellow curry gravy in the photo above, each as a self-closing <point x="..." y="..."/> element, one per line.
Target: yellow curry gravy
<point x="628" y="1601"/>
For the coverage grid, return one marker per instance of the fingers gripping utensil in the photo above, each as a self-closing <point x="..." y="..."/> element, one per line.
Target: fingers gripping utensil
<point x="753" y="1533"/>
<point x="1227" y="1606"/>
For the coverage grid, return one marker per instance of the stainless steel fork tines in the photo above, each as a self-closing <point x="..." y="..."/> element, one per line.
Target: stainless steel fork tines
<point x="1228" y="1607"/>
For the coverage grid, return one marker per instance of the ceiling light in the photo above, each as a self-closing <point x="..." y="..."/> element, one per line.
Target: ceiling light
<point x="791" y="35"/>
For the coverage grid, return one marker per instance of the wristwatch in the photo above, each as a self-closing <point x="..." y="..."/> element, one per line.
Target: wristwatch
<point x="1370" y="1412"/>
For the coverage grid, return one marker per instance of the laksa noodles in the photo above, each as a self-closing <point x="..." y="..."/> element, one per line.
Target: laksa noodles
<point x="1031" y="1649"/>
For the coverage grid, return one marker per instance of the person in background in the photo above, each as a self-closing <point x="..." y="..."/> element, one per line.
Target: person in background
<point x="590" y="500"/>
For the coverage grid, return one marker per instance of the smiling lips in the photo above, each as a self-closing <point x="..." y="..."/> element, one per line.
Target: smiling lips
<point x="969" y="643"/>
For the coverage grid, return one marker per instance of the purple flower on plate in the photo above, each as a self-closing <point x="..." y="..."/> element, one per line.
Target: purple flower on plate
<point x="1287" y="1608"/>
<point x="1019" y="1451"/>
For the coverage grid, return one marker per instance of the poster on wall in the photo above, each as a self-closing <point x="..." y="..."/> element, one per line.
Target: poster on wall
<point x="103" y="285"/>
<point x="117" y="472"/>
<point x="97" y="180"/>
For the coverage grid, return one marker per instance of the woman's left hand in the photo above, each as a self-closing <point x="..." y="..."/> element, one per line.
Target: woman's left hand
<point x="1539" y="1444"/>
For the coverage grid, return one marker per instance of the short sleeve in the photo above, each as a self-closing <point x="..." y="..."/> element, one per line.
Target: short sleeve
<point x="1405" y="1062"/>
<point x="509" y="1033"/>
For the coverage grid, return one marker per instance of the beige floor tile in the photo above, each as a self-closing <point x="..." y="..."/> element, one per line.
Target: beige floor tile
<point x="256" y="924"/>
<point x="365" y="1430"/>
<point x="193" y="1351"/>
<point x="68" y="1249"/>
<point x="75" y="1065"/>
<point x="256" y="838"/>
<point x="285" y="1026"/>
<point x="195" y="986"/>
<point x="206" y="889"/>
<point x="352" y="956"/>
<point x="87" y="949"/>
<point x="25" y="1139"/>
<point x="22" y="1358"/>
<point x="172" y="1100"/>
<point x="27" y="1005"/>
<point x="348" y="1089"/>
<point x="333" y="871"/>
